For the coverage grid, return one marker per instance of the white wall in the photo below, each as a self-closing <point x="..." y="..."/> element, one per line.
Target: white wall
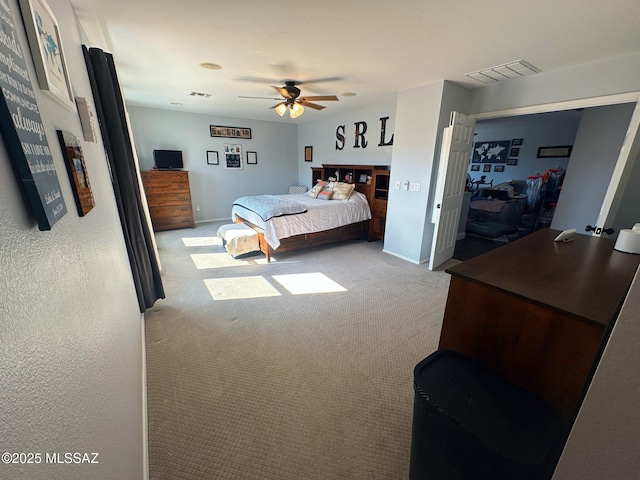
<point x="595" y="153"/>
<point x="213" y="187"/>
<point x="321" y="135"/>
<point x="70" y="328"/>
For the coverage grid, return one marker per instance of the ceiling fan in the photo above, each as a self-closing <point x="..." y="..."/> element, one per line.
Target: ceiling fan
<point x="292" y="101"/>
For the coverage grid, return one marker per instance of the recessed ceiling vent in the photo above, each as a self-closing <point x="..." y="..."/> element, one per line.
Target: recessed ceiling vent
<point x="515" y="69"/>
<point x="199" y="94"/>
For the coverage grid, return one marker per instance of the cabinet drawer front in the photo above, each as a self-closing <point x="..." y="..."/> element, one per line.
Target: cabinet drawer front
<point x="160" y="200"/>
<point x="170" y="211"/>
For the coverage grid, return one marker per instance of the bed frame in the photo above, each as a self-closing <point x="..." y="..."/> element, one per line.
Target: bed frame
<point x="353" y="231"/>
<point x="370" y="229"/>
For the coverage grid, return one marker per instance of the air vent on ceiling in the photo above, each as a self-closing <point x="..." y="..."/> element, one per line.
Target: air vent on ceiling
<point x="199" y="94"/>
<point x="515" y="69"/>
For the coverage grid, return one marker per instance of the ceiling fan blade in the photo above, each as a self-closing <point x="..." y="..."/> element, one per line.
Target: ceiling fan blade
<point x="265" y="98"/>
<point x="322" y="98"/>
<point x="283" y="92"/>
<point x="315" y="106"/>
<point x="319" y="80"/>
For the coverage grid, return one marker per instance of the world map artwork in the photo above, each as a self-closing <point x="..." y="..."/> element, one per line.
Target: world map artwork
<point x="491" y="152"/>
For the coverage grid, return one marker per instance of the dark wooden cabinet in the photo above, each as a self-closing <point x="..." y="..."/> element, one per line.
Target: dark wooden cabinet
<point x="370" y="180"/>
<point x="169" y="199"/>
<point x="537" y="311"/>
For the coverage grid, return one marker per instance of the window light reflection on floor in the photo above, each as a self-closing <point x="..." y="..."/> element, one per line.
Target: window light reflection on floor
<point x="306" y="283"/>
<point x="240" y="287"/>
<point x="201" y="241"/>
<point x="215" y="260"/>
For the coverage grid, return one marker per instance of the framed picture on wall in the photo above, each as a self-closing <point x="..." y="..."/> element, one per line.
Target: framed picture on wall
<point x="486" y="168"/>
<point x="212" y="157"/>
<point x="512" y="161"/>
<point x="516" y="141"/>
<point x="252" y="158"/>
<point x="514" y="152"/>
<point x="233" y="156"/>
<point x="308" y="154"/>
<point x="47" y="52"/>
<point x="475" y="168"/>
<point x="555" y="152"/>
<point x="498" y="168"/>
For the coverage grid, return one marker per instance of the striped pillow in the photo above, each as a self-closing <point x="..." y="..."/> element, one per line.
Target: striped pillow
<point x="317" y="188"/>
<point x="325" y="195"/>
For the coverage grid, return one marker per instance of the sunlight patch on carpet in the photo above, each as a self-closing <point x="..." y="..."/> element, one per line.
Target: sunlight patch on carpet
<point x="305" y="283"/>
<point x="201" y="241"/>
<point x="240" y="287"/>
<point x="215" y="260"/>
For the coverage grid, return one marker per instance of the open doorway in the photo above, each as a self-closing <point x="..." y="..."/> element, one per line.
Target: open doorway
<point x="554" y="172"/>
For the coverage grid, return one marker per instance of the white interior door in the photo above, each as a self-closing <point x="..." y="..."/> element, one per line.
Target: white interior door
<point x="452" y="174"/>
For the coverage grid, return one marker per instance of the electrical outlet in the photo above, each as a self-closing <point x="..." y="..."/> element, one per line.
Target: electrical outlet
<point x="397" y="185"/>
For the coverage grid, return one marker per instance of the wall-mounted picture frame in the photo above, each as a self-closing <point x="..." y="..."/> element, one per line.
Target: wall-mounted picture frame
<point x="516" y="141"/>
<point x="233" y="156"/>
<point x="308" y="154"/>
<point x="514" y="152"/>
<point x="475" y="168"/>
<point x="562" y="151"/>
<point x="77" y="170"/>
<point x="252" y="158"/>
<point x="27" y="148"/>
<point x="212" y="157"/>
<point x="486" y="168"/>
<point x="512" y="161"/>
<point x="494" y="151"/>
<point x="498" y="168"/>
<point x="230" y="132"/>
<point x="47" y="52"/>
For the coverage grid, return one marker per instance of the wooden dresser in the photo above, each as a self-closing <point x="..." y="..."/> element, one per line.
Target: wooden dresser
<point x="370" y="180"/>
<point x="169" y="198"/>
<point x="538" y="312"/>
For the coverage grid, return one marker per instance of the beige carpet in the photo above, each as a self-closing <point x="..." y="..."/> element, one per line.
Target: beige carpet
<point x="298" y="369"/>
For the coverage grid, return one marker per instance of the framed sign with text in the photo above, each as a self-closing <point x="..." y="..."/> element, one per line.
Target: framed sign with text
<point x="24" y="133"/>
<point x="230" y="132"/>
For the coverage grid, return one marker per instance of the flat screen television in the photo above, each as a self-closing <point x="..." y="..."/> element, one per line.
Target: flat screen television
<point x="167" y="159"/>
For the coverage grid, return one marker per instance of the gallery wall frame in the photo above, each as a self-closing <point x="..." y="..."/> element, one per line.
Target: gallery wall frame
<point x="494" y="151"/>
<point x="26" y="141"/>
<point x="233" y="156"/>
<point x="230" y="132"/>
<point x="516" y="142"/>
<point x="486" y="168"/>
<point x="47" y="52"/>
<point x="212" y="157"/>
<point x="512" y="161"/>
<point x="475" y="168"/>
<point x="562" y="151"/>
<point x="514" y="152"/>
<point x="252" y="158"/>
<point x="498" y="168"/>
<point x="77" y="170"/>
<point x="308" y="153"/>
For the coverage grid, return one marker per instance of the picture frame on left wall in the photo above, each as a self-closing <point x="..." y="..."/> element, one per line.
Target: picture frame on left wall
<point x="47" y="52"/>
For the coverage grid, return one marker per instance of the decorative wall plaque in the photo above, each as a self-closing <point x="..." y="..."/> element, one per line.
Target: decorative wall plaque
<point x="23" y="131"/>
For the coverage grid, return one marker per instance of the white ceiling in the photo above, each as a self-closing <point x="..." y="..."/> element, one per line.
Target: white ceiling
<point x="376" y="48"/>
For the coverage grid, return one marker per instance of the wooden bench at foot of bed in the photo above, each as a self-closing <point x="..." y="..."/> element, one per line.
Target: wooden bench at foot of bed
<point x="353" y="231"/>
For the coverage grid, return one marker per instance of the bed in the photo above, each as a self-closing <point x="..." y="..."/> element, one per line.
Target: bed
<point x="322" y="221"/>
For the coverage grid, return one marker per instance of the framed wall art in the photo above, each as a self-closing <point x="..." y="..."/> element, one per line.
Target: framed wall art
<point x="308" y="154"/>
<point x="486" y="168"/>
<point x="514" y="152"/>
<point x="212" y="157"/>
<point x="252" y="158"/>
<point x="512" y="161"/>
<point x="516" y="141"/>
<point x="491" y="152"/>
<point x="233" y="156"/>
<point x="230" y="132"/>
<point x="563" y="151"/>
<point x="47" y="52"/>
<point x="26" y="140"/>
<point x="475" y="168"/>
<point x="498" y="168"/>
<point x="77" y="170"/>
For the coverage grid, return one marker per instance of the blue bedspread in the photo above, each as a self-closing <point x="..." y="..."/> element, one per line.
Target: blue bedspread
<point x="269" y="206"/>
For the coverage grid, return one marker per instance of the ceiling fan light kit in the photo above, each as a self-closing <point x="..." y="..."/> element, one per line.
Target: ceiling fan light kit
<point x="294" y="103"/>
